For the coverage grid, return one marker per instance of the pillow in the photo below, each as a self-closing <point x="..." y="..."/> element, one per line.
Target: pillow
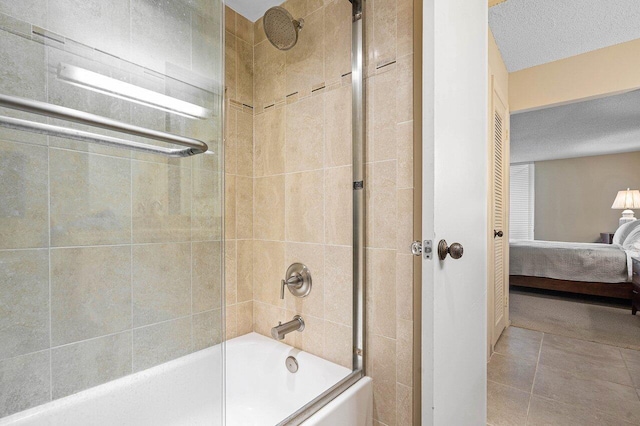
<point x="632" y="242"/>
<point x="623" y="232"/>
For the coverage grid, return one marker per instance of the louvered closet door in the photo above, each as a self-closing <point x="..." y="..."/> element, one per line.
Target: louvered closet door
<point x="499" y="216"/>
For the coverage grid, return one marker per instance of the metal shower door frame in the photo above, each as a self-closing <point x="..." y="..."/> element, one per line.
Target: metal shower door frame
<point x="358" y="147"/>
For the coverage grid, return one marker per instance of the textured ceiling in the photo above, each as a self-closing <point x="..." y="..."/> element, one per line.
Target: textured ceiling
<point x="534" y="32"/>
<point x="601" y="126"/>
<point x="252" y="9"/>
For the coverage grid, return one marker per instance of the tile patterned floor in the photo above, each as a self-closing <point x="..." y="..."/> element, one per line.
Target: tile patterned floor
<point x="537" y="378"/>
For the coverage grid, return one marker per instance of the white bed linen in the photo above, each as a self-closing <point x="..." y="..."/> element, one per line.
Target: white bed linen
<point x="589" y="262"/>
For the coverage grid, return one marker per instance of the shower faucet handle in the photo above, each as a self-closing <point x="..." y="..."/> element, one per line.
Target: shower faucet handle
<point x="297" y="280"/>
<point x="294" y="281"/>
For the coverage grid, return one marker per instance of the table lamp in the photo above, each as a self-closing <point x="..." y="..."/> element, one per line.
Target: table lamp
<point x="627" y="200"/>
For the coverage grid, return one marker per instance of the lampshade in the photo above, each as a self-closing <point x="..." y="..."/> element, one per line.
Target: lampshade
<point x="629" y="199"/>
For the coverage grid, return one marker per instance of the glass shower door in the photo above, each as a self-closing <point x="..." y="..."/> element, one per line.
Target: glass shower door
<point x="111" y="201"/>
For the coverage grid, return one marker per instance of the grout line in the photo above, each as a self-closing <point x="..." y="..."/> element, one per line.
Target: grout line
<point x="49" y="268"/>
<point x="633" y="384"/>
<point x="153" y="324"/>
<point x="50" y="298"/>
<point x="192" y="343"/>
<point x="324" y="215"/>
<point x="535" y="374"/>
<point x="495" y="352"/>
<point x="114" y="245"/>
<point x="40" y="351"/>
<point x="90" y="339"/>
<point x="308" y="170"/>
<point x="24" y="249"/>
<point x="131" y="257"/>
<point x="626" y="364"/>
<point x="264" y="240"/>
<point x="297" y="311"/>
<point x="594" y="410"/>
<point x="285" y="124"/>
<point x="589" y="379"/>
<point x="580" y="377"/>
<point x="507" y="386"/>
<point x="191" y="28"/>
<point x="574" y="338"/>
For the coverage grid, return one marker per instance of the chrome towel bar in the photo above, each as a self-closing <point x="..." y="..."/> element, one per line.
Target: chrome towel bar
<point x="192" y="146"/>
<point x="79" y="135"/>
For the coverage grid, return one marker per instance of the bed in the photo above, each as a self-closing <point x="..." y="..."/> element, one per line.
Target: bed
<point x="584" y="268"/>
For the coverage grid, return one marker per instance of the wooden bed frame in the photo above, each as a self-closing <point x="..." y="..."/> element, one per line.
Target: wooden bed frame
<point x="615" y="290"/>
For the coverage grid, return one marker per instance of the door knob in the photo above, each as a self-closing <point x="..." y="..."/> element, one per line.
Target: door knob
<point x="455" y="250"/>
<point x="498" y="234"/>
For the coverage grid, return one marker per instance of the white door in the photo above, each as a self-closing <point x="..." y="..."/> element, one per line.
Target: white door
<point x="455" y="196"/>
<point x="499" y="217"/>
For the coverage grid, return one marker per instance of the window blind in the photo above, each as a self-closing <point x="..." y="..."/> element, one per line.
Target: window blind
<point x="522" y="199"/>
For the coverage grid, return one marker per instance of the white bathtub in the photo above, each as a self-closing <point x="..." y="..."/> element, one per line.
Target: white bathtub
<point x="261" y="391"/>
<point x="187" y="391"/>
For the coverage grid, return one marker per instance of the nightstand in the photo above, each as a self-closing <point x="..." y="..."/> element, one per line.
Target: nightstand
<point x="606" y="237"/>
<point x="635" y="297"/>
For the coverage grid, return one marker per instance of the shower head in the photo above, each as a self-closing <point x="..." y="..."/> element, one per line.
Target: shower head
<point x="280" y="27"/>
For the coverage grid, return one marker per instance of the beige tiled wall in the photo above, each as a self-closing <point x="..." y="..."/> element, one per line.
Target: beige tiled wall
<point x="239" y="165"/>
<point x="389" y="173"/>
<point x="110" y="261"/>
<point x="302" y="189"/>
<point x="302" y="178"/>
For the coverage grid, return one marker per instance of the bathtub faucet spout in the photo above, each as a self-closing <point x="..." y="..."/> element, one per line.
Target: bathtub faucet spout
<point x="281" y="330"/>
